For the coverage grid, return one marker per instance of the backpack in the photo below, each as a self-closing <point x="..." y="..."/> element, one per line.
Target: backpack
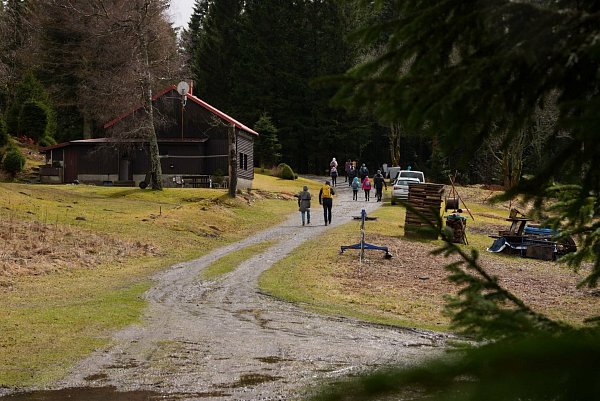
<point x="355" y="184"/>
<point x="367" y="184"/>
<point x="326" y="191"/>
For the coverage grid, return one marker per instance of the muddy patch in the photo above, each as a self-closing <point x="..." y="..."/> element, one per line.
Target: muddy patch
<point x="105" y="394"/>
<point x="250" y="380"/>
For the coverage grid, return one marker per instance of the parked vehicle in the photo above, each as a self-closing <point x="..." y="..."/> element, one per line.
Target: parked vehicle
<point x="392" y="172"/>
<point x="412" y="174"/>
<point x="400" y="188"/>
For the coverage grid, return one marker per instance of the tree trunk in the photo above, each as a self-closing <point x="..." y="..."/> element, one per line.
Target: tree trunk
<point x="232" y="161"/>
<point x="394" y="138"/>
<point x="150" y="132"/>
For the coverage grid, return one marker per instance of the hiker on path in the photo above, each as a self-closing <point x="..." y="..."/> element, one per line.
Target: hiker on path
<point x="363" y="171"/>
<point x="333" y="163"/>
<point x="334" y="174"/>
<point x="347" y="168"/>
<point x="355" y="186"/>
<point x="326" y="199"/>
<point x="351" y="174"/>
<point x="366" y="186"/>
<point x="379" y="183"/>
<point x="304" y="198"/>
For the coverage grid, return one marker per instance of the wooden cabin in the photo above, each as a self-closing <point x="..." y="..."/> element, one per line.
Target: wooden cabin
<point x="192" y="140"/>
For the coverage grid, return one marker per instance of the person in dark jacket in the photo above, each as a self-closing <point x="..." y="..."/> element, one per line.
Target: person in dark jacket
<point x="304" y="198"/>
<point x="326" y="199"/>
<point x="347" y="168"/>
<point x="351" y="174"/>
<point x="379" y="183"/>
<point x="363" y="171"/>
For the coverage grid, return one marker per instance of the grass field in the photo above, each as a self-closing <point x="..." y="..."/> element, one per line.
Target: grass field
<point x="409" y="289"/>
<point x="76" y="260"/>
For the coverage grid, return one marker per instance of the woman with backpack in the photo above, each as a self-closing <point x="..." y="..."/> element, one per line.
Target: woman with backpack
<point x="366" y="186"/>
<point x="326" y="199"/>
<point x="334" y="175"/>
<point x="355" y="184"/>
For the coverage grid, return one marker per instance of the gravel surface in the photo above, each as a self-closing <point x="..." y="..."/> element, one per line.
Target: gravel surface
<point x="224" y="340"/>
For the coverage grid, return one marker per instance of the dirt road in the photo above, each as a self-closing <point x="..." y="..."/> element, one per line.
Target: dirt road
<point x="224" y="340"/>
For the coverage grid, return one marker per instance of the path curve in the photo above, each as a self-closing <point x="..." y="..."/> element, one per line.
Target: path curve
<point x="224" y="340"/>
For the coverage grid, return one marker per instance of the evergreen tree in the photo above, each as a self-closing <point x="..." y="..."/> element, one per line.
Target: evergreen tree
<point x="15" y="46"/>
<point x="33" y="120"/>
<point x="29" y="89"/>
<point x="192" y="35"/>
<point x="284" y="47"/>
<point x="266" y="57"/>
<point x="267" y="148"/>
<point x="216" y="49"/>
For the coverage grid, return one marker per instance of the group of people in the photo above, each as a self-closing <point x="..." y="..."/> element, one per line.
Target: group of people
<point x="325" y="198"/>
<point x="356" y="178"/>
<point x="365" y="184"/>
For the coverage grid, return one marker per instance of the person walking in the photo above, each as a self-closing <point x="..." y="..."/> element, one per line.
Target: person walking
<point x="347" y="167"/>
<point x="326" y="199"/>
<point x="379" y="183"/>
<point x="351" y="174"/>
<point x="333" y="163"/>
<point x="334" y="174"/>
<point x="366" y="186"/>
<point x="363" y="171"/>
<point x="304" y="198"/>
<point x="355" y="186"/>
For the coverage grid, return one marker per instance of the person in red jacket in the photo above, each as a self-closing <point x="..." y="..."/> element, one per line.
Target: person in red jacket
<point x="366" y="186"/>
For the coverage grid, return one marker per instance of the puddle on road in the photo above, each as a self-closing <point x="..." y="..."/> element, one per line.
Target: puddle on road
<point x="251" y="379"/>
<point x="105" y="394"/>
<point x="272" y="359"/>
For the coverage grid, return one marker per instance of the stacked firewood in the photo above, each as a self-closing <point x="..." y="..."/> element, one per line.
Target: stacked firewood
<point x="426" y="199"/>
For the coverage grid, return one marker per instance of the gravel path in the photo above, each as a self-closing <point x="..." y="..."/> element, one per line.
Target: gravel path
<point x="224" y="340"/>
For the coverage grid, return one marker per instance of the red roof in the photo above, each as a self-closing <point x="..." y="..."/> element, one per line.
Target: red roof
<point x="196" y="100"/>
<point x="119" y="140"/>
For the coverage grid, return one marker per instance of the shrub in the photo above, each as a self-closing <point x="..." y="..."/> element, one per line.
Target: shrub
<point x="285" y="172"/>
<point x="13" y="161"/>
<point x="33" y="119"/>
<point x="46" y="141"/>
<point x="218" y="177"/>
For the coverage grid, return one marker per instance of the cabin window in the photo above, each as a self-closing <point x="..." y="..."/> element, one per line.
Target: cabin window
<point x="243" y="161"/>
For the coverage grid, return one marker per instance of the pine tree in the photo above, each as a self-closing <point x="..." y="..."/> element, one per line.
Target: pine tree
<point x="267" y="148"/>
<point x="216" y="49"/>
<point x="30" y="89"/>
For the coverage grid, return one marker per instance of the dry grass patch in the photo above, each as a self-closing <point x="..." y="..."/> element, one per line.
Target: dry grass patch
<point x="34" y="248"/>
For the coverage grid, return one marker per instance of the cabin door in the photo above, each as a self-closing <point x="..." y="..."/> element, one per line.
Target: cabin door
<point x="70" y="166"/>
<point x="125" y="173"/>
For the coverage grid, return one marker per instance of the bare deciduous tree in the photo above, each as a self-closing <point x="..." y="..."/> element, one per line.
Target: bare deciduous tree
<point x="125" y="49"/>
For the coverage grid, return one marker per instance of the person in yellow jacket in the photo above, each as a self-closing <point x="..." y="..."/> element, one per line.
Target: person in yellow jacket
<point x="326" y="199"/>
